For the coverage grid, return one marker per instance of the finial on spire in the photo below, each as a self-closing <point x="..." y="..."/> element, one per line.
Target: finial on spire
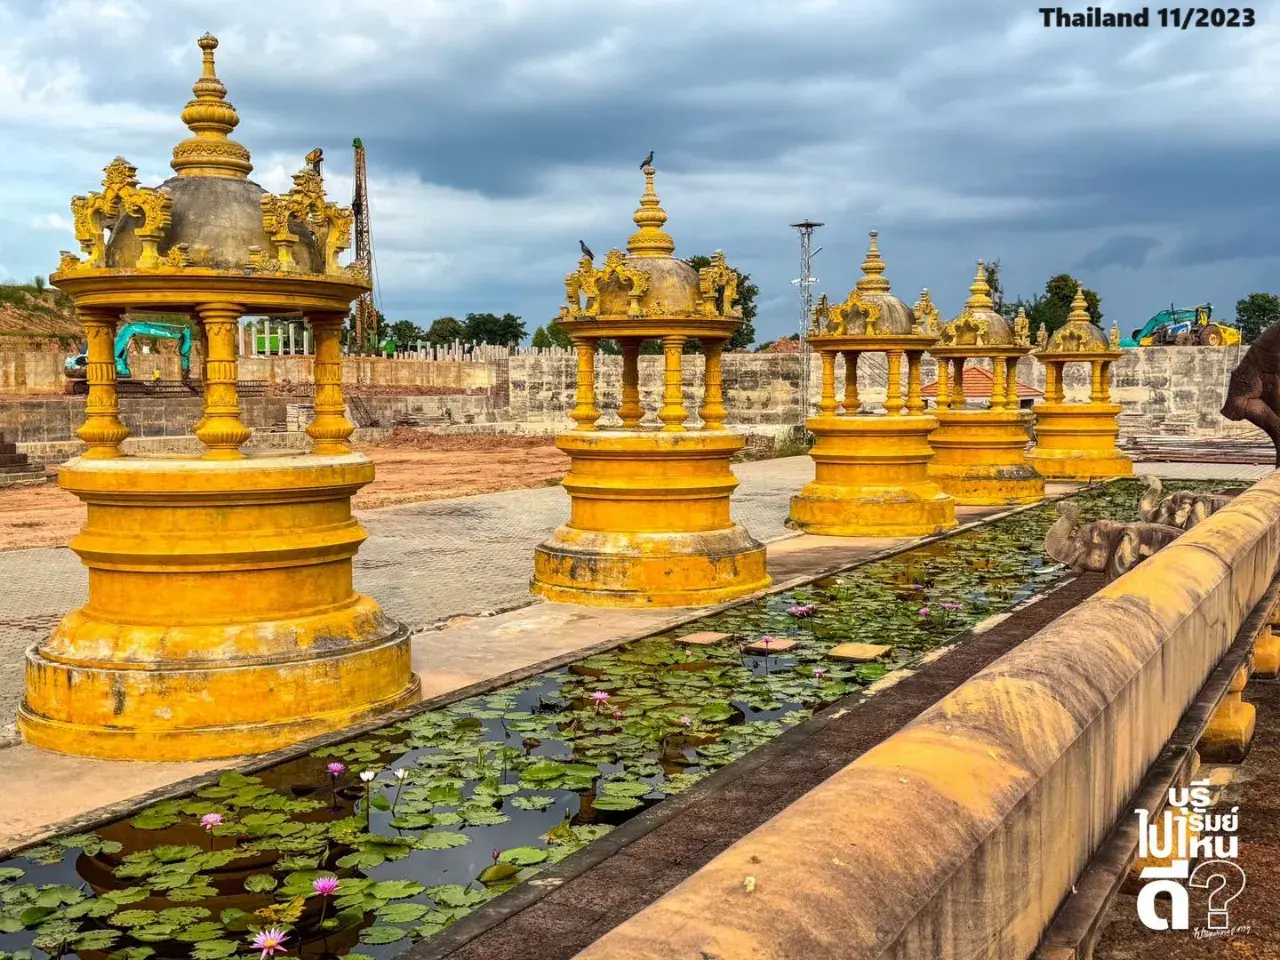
<point x="650" y="240"/>
<point x="980" y="291"/>
<point x="1079" y="307"/>
<point x="873" y="279"/>
<point x="210" y="152"/>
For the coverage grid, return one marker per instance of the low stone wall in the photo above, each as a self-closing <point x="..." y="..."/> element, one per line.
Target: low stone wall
<point x="32" y="372"/>
<point x="961" y="835"/>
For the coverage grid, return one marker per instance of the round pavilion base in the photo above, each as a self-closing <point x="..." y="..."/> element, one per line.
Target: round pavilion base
<point x="872" y="479"/>
<point x="1077" y="441"/>
<point x="979" y="457"/>
<point x="221" y="618"/>
<point x="650" y="523"/>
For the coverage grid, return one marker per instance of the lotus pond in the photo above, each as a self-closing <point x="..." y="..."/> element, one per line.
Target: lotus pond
<point x="361" y="848"/>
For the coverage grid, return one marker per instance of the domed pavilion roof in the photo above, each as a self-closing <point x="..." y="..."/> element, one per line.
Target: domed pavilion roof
<point x="979" y="325"/>
<point x="1079" y="334"/>
<point x="887" y="316"/>
<point x="210" y="215"/>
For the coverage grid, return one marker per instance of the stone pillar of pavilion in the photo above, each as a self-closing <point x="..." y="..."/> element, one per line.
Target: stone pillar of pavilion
<point x="980" y="454"/>
<point x="1077" y="441"/>
<point x="221" y="619"/>
<point x="650" y="522"/>
<point x="871" y="470"/>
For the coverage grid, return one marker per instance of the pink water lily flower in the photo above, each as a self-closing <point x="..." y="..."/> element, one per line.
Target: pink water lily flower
<point x="336" y="769"/>
<point x="270" y="942"/>
<point x="951" y="606"/>
<point x="325" y="886"/>
<point x="819" y="672"/>
<point x="686" y="721"/>
<point x="802" y="609"/>
<point x="617" y="714"/>
<point x="924" y="613"/>
<point x="211" y="820"/>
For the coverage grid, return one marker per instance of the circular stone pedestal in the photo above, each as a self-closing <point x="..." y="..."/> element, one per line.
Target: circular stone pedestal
<point x="872" y="479"/>
<point x="221" y="618"/>
<point x="650" y="523"/>
<point x="979" y="457"/>
<point x="1077" y="441"/>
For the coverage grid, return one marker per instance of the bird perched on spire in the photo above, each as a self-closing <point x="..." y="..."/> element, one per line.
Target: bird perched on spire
<point x="314" y="159"/>
<point x="586" y="251"/>
<point x="647" y="160"/>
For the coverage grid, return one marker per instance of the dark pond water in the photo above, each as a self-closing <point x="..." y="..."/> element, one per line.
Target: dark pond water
<point x="466" y="801"/>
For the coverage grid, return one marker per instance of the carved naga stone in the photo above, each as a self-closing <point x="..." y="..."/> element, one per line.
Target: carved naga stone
<point x="1182" y="509"/>
<point x="1253" y="392"/>
<point x="1103" y="546"/>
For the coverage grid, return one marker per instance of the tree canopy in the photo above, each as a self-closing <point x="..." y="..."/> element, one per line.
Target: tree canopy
<point x="490" y="328"/>
<point x="1050" y="309"/>
<point x="1255" y="313"/>
<point x="405" y="333"/>
<point x="540" y="340"/>
<point x="444" y="331"/>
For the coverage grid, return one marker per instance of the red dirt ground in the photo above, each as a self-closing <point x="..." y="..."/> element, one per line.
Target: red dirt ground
<point x="411" y="467"/>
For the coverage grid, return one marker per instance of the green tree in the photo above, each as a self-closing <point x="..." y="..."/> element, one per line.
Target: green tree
<point x="405" y="333"/>
<point x="1050" y="309"/>
<point x="540" y="339"/>
<point x="444" y="330"/>
<point x="992" y="270"/>
<point x="747" y="291"/>
<point x="493" y="329"/>
<point x="556" y="334"/>
<point x="1255" y="313"/>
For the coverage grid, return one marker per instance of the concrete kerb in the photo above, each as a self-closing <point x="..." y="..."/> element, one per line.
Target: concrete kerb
<point x="971" y="825"/>
<point x="110" y="813"/>
<point x="1075" y="928"/>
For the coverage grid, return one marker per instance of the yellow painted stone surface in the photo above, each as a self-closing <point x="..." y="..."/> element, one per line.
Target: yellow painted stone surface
<point x="1229" y="734"/>
<point x="1077" y="441"/>
<point x="979" y="457"/>
<point x="650" y="523"/>
<point x="221" y="619"/>
<point x="871" y="479"/>
<point x="859" y="652"/>
<point x="1266" y="654"/>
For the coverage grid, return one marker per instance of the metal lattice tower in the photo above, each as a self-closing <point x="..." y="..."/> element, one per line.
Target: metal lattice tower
<point x="366" y="311"/>
<point x="805" y="282"/>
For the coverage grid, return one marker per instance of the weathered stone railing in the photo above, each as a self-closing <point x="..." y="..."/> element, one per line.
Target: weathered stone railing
<point x="961" y="835"/>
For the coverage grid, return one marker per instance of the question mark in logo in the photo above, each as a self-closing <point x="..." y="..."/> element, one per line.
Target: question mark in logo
<point x="1228" y="874"/>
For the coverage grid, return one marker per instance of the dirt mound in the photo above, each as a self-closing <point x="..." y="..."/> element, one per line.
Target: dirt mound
<point x="403" y="438"/>
<point x="31" y="312"/>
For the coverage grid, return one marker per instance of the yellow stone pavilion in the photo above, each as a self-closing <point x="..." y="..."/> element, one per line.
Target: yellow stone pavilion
<point x="221" y="619"/>
<point x="872" y="470"/>
<point x="980" y="454"/>
<point x="1077" y="441"/>
<point x="650" y="523"/>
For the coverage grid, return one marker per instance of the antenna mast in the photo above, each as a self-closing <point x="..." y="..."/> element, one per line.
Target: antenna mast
<point x="805" y="282"/>
<point x="366" y="314"/>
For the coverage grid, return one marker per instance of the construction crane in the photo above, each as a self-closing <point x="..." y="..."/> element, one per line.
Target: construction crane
<point x="366" y="311"/>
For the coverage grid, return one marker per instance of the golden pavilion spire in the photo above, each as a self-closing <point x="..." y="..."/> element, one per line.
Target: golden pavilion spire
<point x="873" y="278"/>
<point x="650" y="240"/>
<point x="1079" y="307"/>
<point x="210" y="152"/>
<point x="980" y="291"/>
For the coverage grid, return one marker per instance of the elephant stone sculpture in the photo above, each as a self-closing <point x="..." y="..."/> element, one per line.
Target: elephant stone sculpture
<point x="1182" y="509"/>
<point x="1103" y="546"/>
<point x="1253" y="392"/>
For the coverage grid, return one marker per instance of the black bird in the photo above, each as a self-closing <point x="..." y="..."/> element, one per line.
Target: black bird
<point x="586" y="251"/>
<point x="647" y="160"/>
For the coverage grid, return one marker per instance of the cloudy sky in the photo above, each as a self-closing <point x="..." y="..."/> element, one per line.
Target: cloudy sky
<point x="499" y="132"/>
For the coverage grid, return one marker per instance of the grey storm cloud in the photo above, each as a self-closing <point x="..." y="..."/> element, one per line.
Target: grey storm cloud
<point x="1126" y="252"/>
<point x="500" y="131"/>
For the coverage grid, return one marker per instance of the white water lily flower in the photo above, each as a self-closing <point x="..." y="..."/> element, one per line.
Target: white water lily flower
<point x="400" y="774"/>
<point x="367" y="775"/>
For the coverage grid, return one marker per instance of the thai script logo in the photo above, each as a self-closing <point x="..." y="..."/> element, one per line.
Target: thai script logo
<point x="1187" y="831"/>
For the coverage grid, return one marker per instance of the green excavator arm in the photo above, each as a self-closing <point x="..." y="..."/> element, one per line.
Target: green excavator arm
<point x="164" y="331"/>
